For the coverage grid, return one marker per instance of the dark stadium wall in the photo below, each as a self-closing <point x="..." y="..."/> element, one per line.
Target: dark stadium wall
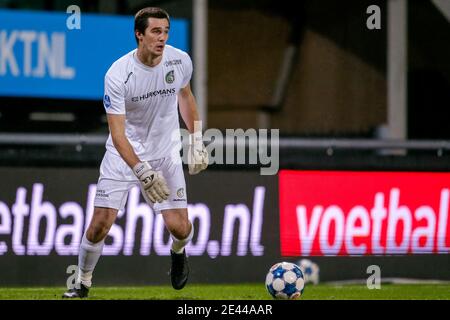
<point x="338" y="85"/>
<point x="429" y="72"/>
<point x="332" y="91"/>
<point x="245" y="51"/>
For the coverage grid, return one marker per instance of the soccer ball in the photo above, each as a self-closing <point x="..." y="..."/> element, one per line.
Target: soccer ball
<point x="310" y="271"/>
<point x="285" y="281"/>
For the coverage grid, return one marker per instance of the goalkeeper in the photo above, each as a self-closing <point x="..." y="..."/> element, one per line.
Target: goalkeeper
<point x="143" y="90"/>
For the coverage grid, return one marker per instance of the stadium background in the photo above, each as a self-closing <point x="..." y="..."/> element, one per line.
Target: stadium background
<point x="315" y="72"/>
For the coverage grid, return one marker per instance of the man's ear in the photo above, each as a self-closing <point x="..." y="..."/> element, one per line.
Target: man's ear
<point x="139" y="35"/>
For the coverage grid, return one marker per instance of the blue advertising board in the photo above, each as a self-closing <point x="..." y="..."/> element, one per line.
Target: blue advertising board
<point x="41" y="57"/>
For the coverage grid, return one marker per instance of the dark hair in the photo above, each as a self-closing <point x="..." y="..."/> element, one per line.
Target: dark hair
<point x="141" y="18"/>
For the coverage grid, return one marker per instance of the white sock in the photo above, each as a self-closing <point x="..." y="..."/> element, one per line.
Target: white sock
<point x="87" y="259"/>
<point x="178" y="245"/>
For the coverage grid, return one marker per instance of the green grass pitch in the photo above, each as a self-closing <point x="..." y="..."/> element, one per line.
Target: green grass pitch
<point x="241" y="292"/>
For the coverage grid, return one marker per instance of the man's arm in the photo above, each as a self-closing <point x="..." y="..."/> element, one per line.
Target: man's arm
<point x="188" y="108"/>
<point x="116" y="124"/>
<point x="197" y="155"/>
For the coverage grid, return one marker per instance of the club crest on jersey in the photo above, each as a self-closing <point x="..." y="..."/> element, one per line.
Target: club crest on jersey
<point x="180" y="193"/>
<point x="170" y="76"/>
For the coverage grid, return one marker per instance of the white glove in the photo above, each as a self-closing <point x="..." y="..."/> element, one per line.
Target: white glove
<point x="197" y="155"/>
<point x="153" y="183"/>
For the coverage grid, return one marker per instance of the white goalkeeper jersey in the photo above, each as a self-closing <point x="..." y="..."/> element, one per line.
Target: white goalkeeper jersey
<point x="147" y="96"/>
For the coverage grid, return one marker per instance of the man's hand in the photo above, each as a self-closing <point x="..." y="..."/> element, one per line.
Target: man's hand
<point x="197" y="155"/>
<point x="153" y="183"/>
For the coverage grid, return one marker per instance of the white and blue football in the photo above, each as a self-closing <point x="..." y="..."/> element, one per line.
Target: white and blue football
<point x="285" y="280"/>
<point x="311" y="271"/>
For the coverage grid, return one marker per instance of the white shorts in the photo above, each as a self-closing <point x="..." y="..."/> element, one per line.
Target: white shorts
<point x="116" y="179"/>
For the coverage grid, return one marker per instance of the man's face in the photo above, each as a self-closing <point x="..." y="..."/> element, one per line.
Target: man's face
<point x="155" y="37"/>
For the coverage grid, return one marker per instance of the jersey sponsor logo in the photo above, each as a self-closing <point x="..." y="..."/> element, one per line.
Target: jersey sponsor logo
<point x="162" y="92"/>
<point x="106" y="101"/>
<point x="170" y="77"/>
<point x="172" y="62"/>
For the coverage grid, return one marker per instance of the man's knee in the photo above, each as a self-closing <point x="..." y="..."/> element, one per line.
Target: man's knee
<point x="101" y="222"/>
<point x="97" y="232"/>
<point x="183" y="230"/>
<point x="177" y="222"/>
<point x="186" y="229"/>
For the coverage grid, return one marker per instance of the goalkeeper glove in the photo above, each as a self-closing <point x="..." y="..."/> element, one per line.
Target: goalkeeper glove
<point x="152" y="182"/>
<point x="197" y="155"/>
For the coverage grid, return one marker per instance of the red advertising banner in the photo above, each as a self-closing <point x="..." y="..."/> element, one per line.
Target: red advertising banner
<point x="328" y="213"/>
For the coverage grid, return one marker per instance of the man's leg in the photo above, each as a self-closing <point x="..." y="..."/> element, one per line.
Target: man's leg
<point x="181" y="230"/>
<point x="91" y="248"/>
